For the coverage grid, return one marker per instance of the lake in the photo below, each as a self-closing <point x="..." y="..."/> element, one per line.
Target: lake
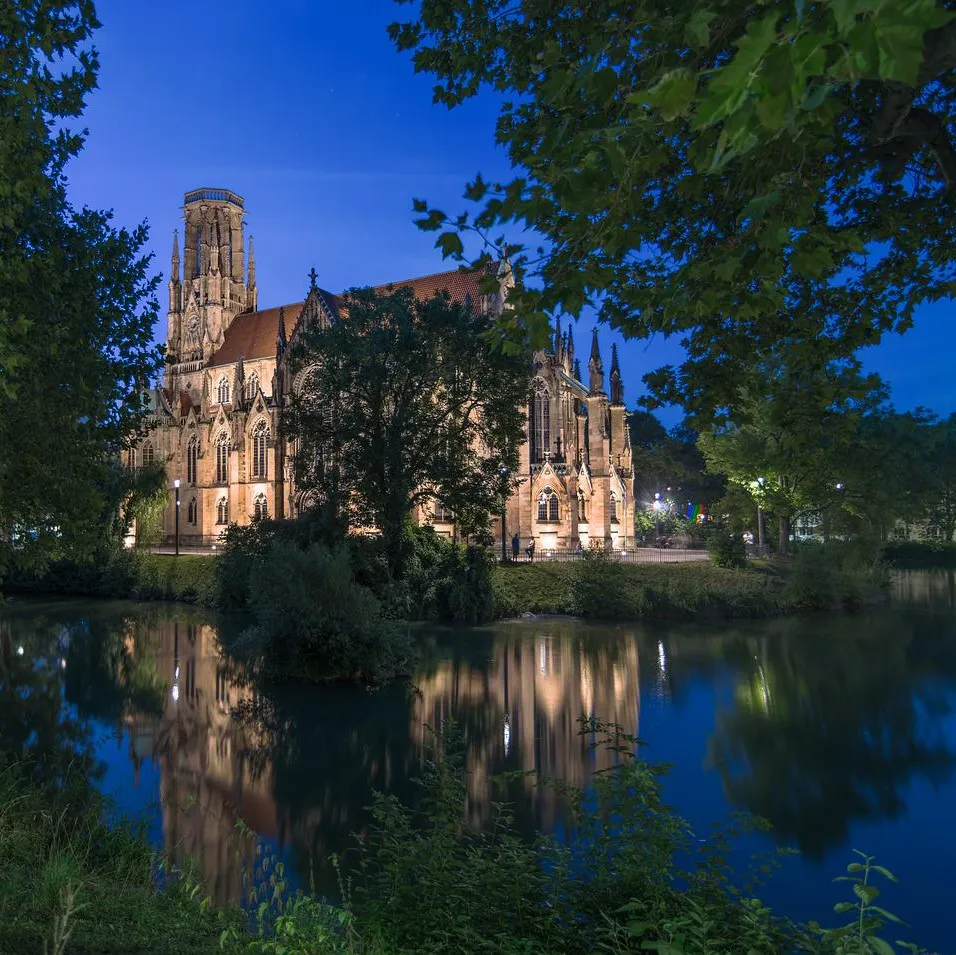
<point x="839" y="730"/>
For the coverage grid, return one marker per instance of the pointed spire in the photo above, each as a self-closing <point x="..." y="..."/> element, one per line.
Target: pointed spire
<point x="280" y="333"/>
<point x="557" y="336"/>
<point x="174" y="271"/>
<point x="571" y="340"/>
<point x="313" y="275"/>
<point x="617" y="384"/>
<point x="239" y="386"/>
<point x="596" y="367"/>
<point x="251" y="283"/>
<point x="577" y="368"/>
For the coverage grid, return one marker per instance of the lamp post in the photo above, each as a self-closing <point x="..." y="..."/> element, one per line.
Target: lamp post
<point x="176" y="485"/>
<point x="504" y="511"/>
<point x="657" y="517"/>
<point x="760" y="532"/>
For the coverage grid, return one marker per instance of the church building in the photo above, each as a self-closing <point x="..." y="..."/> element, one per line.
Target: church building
<point x="214" y="421"/>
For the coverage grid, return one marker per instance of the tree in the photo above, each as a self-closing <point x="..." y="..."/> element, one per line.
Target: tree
<point x="77" y="303"/>
<point x="403" y="401"/>
<point x="725" y="172"/>
<point x="799" y="434"/>
<point x="939" y="462"/>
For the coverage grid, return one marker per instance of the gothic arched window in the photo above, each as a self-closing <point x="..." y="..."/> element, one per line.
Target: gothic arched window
<point x="260" y="508"/>
<point x="192" y="455"/>
<point x="613" y="508"/>
<point x="547" y="505"/>
<point x="222" y="511"/>
<point x="192" y="512"/>
<point x="540" y="420"/>
<point x="148" y="454"/>
<point x="252" y="386"/>
<point x="260" y="435"/>
<point x="222" y="391"/>
<point x="131" y="459"/>
<point x="582" y="508"/>
<point x="222" y="458"/>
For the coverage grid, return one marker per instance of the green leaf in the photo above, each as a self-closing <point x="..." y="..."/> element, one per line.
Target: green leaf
<point x="673" y="93"/>
<point x="901" y="51"/>
<point x="880" y="945"/>
<point x="759" y="206"/>
<point x="866" y="893"/>
<point x="697" y="31"/>
<point x="842" y="907"/>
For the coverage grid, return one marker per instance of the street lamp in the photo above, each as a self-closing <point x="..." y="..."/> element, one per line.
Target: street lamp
<point x="504" y="511"/>
<point x="657" y="517"/>
<point x="760" y="532"/>
<point x="176" y="485"/>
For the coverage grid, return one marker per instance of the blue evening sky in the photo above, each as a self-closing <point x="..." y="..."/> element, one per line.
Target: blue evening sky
<point x="304" y="108"/>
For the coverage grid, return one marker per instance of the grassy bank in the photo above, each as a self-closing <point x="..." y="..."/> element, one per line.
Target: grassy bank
<point x="126" y="575"/>
<point x="608" y="591"/>
<point x="69" y="883"/>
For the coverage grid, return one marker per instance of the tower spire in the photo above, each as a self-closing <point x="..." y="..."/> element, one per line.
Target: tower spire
<point x="252" y="292"/>
<point x="617" y="384"/>
<point x="557" y="337"/>
<point x="174" y="271"/>
<point x="280" y="333"/>
<point x="596" y="366"/>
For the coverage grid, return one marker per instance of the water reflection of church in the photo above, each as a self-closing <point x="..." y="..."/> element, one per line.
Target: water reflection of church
<point x="218" y="774"/>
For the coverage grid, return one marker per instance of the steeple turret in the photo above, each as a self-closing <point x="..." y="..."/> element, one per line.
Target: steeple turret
<point x="175" y="286"/>
<point x="617" y="384"/>
<point x="596" y="367"/>
<point x="280" y="334"/>
<point x="558" y="341"/>
<point x="252" y="291"/>
<point x="571" y="344"/>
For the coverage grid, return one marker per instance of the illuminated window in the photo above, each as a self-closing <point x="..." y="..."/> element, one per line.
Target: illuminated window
<point x="192" y="512"/>
<point x="613" y="508"/>
<point x="192" y="456"/>
<point x="260" y="508"/>
<point x="148" y="454"/>
<point x="222" y="511"/>
<point x="260" y="436"/>
<point x="541" y="421"/>
<point x="222" y="458"/>
<point x="582" y="508"/>
<point x="547" y="505"/>
<point x="131" y="459"/>
<point x="252" y="386"/>
<point x="222" y="391"/>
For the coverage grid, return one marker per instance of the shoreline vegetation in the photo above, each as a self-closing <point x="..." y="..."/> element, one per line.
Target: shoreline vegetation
<point x="335" y="611"/>
<point x="817" y="578"/>
<point x="630" y="876"/>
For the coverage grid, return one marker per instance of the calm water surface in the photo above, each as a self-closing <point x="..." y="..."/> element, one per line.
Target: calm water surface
<point x="839" y="730"/>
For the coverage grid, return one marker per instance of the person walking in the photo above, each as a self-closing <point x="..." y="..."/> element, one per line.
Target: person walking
<point x="529" y="550"/>
<point x="515" y="547"/>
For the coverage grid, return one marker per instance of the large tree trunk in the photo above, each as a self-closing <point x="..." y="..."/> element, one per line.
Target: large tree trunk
<point x="783" y="540"/>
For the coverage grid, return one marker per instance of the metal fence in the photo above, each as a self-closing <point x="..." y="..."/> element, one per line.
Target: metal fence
<point x="632" y="555"/>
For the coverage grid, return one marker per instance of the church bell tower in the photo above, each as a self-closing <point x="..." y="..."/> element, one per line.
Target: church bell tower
<point x="210" y="288"/>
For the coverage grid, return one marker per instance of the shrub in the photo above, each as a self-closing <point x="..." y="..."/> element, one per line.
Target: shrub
<point x="314" y="620"/>
<point x="602" y="588"/>
<point x="915" y="554"/>
<point x="727" y="549"/>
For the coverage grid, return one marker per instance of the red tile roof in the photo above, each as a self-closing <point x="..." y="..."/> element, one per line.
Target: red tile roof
<point x="253" y="334"/>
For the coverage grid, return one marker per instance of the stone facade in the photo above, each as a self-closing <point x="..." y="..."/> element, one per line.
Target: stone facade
<point x="214" y="421"/>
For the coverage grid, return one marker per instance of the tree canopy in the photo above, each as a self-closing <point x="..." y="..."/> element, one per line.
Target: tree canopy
<point x="728" y="173"/>
<point x="417" y="400"/>
<point x="77" y="302"/>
